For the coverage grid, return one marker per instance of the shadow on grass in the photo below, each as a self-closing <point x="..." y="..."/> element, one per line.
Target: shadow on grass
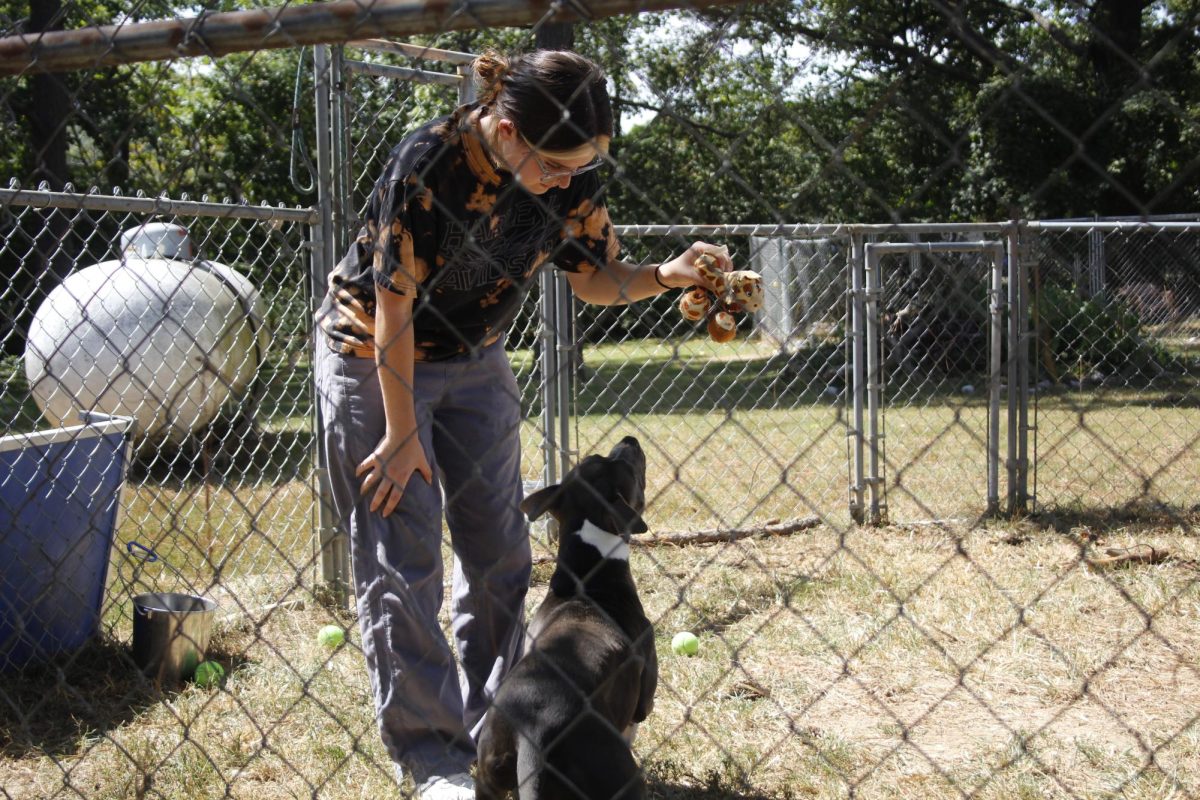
<point x="1148" y="515"/>
<point x="669" y="791"/>
<point x="60" y="707"/>
<point x="670" y="781"/>
<point x="269" y="458"/>
<point x="778" y="592"/>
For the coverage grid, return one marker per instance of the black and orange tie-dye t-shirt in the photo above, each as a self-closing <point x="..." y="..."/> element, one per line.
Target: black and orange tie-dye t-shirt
<point x="463" y="239"/>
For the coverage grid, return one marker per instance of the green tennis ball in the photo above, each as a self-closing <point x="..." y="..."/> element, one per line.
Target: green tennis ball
<point x="685" y="643"/>
<point x="208" y="674"/>
<point x="331" y="636"/>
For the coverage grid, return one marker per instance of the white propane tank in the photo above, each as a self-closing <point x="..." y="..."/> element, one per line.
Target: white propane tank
<point x="163" y="340"/>
<point x="158" y="240"/>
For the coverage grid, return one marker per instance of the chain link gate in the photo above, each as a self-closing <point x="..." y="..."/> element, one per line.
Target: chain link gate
<point x="831" y="334"/>
<point x="917" y="338"/>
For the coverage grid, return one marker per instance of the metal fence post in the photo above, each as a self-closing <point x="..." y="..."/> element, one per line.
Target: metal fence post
<point x="547" y="343"/>
<point x="342" y="169"/>
<point x="547" y="386"/>
<point x="874" y="386"/>
<point x="858" y="389"/>
<point x="1097" y="275"/>
<point x="1022" y="338"/>
<point x="1016" y="397"/>
<point x="335" y="547"/>
<point x="995" y="366"/>
<point x="564" y="380"/>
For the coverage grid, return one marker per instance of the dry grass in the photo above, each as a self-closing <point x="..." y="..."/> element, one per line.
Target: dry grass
<point x="935" y="663"/>
<point x="966" y="658"/>
<point x="931" y="661"/>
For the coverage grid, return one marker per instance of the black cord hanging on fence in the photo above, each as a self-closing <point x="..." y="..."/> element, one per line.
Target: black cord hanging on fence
<point x="298" y="136"/>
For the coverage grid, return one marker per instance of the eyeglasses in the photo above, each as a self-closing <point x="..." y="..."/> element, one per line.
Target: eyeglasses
<point x="558" y="174"/>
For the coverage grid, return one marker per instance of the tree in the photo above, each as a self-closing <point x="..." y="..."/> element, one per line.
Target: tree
<point x="930" y="111"/>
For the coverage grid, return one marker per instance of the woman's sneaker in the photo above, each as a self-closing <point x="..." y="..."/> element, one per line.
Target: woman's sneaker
<point x="451" y="787"/>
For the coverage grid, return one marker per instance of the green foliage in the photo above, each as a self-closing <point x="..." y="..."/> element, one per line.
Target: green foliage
<point x="910" y="113"/>
<point x="775" y="111"/>
<point x="1086" y="335"/>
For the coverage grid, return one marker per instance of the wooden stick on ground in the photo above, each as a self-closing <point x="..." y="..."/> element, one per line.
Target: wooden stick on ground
<point x="1125" y="556"/>
<point x="730" y="535"/>
<point x="680" y="538"/>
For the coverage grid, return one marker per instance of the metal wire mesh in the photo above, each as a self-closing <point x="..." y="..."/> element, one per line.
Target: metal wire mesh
<point x="760" y="418"/>
<point x="930" y="514"/>
<point x="1115" y="309"/>
<point x="219" y="483"/>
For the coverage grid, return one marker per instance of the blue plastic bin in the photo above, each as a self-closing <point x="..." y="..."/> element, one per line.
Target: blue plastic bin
<point x="59" y="500"/>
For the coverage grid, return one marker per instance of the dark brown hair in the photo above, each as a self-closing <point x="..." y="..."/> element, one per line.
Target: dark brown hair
<point x="557" y="99"/>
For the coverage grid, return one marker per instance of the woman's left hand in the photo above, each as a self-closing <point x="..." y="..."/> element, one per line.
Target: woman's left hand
<point x="681" y="272"/>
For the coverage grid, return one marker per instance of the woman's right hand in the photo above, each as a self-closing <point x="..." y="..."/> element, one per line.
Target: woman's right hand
<point x="389" y="468"/>
<point x="681" y="272"/>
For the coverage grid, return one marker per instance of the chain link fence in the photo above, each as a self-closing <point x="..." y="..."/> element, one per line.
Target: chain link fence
<point x="187" y="318"/>
<point x="931" y="514"/>
<point x="1114" y="312"/>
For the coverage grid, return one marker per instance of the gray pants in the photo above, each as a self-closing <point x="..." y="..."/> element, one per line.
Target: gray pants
<point x="468" y="413"/>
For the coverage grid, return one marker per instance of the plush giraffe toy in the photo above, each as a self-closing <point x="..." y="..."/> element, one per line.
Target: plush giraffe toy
<point x="741" y="290"/>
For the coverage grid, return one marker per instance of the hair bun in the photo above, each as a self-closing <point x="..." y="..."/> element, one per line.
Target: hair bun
<point x="490" y="69"/>
<point x="556" y="98"/>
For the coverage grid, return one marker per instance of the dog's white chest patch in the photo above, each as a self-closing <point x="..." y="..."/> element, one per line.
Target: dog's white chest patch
<point x="610" y="545"/>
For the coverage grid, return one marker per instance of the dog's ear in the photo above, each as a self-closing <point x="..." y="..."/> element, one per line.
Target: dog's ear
<point x="627" y="519"/>
<point x="541" y="501"/>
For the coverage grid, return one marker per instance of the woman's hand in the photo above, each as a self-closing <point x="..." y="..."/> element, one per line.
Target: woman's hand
<point x="389" y="469"/>
<point x="680" y="272"/>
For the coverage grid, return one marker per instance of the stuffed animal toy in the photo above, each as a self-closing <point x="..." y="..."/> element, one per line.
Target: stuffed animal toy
<point x="741" y="290"/>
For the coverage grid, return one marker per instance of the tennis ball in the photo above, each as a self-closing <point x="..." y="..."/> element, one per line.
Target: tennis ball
<point x="208" y="674"/>
<point x="331" y="636"/>
<point x="685" y="643"/>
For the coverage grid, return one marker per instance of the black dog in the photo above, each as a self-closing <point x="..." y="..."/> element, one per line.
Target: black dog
<point x="563" y="719"/>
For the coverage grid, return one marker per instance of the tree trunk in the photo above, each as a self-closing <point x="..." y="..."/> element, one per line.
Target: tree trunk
<point x="1116" y="38"/>
<point x="50" y="108"/>
<point x="50" y="229"/>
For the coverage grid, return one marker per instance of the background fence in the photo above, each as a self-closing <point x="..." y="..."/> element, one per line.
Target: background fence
<point x="228" y="508"/>
<point x="1115" y="309"/>
<point x="1013" y="403"/>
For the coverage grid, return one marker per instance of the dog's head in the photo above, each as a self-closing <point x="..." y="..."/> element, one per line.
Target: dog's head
<point x="607" y="491"/>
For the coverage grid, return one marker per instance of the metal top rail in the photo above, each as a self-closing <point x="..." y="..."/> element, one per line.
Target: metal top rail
<point x="1193" y="217"/>
<point x="878" y="229"/>
<point x="403" y="73"/>
<point x="809" y="230"/>
<point x="1131" y="225"/>
<point x="294" y="26"/>
<point x="152" y="205"/>
<point x="883" y="248"/>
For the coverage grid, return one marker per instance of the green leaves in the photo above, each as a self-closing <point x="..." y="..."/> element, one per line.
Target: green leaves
<point x="765" y="112"/>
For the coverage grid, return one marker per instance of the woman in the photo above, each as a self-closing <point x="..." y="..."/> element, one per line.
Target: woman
<point x="414" y="383"/>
